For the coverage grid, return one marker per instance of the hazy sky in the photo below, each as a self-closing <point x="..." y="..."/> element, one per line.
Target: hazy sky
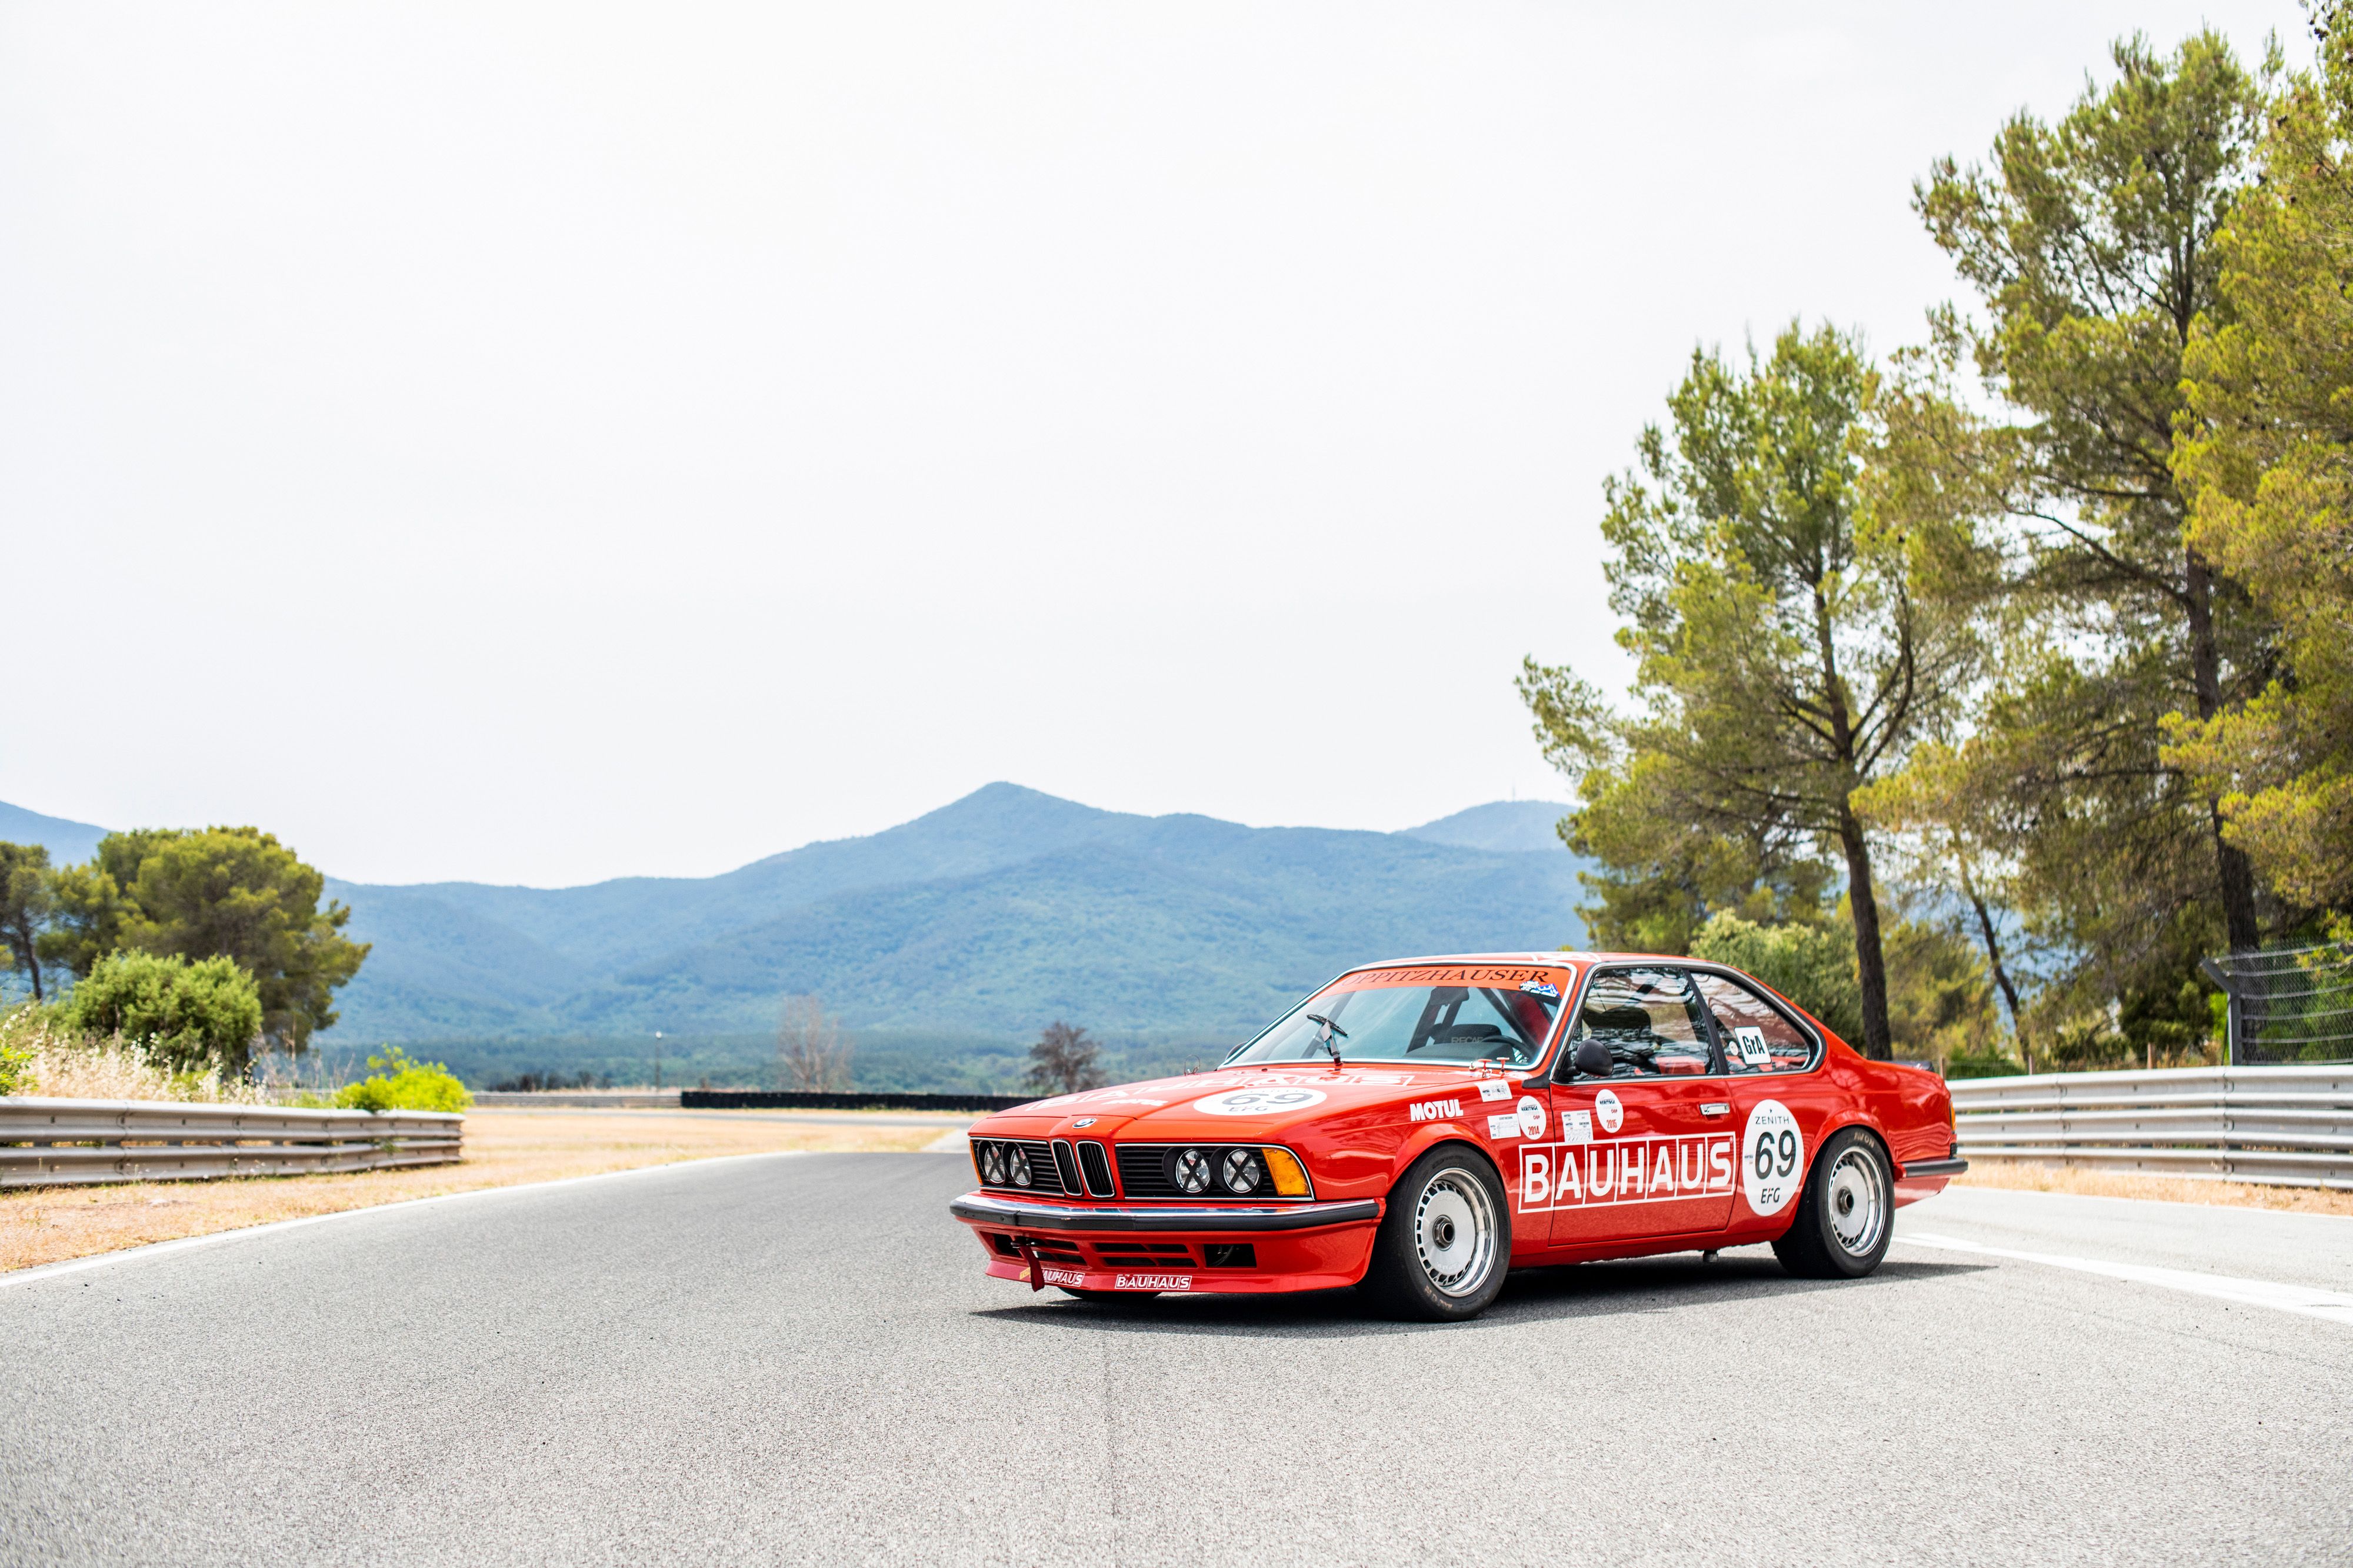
<point x="543" y="442"/>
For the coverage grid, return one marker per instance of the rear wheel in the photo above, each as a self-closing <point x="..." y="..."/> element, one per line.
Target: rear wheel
<point x="1445" y="1243"/>
<point x="1847" y="1216"/>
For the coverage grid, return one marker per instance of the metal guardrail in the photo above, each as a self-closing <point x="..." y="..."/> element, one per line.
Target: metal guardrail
<point x="52" y="1143"/>
<point x="2288" y="1126"/>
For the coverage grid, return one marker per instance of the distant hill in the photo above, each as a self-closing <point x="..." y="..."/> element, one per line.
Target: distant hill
<point x="69" y="843"/>
<point x="944" y="944"/>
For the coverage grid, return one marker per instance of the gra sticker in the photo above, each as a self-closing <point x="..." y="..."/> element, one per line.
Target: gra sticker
<point x="1502" y="1127"/>
<point x="1608" y="1112"/>
<point x="1772" y="1157"/>
<point x="1260" y="1101"/>
<point x="1751" y="1041"/>
<point x="1532" y="1116"/>
<point x="1494" y="1088"/>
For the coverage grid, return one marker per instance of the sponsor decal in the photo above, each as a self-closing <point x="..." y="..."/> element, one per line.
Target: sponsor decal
<point x="1448" y="975"/>
<point x="1532" y="1116"/>
<point x="1576" y="1127"/>
<point x="1084" y="1121"/>
<point x="1608" y="1112"/>
<point x="1274" y="1100"/>
<point x="1502" y="1127"/>
<point x="1544" y="988"/>
<point x="1152" y="1282"/>
<point x="1070" y="1277"/>
<point x="1772" y="1157"/>
<point x="1494" y="1088"/>
<point x="1626" y="1171"/>
<point x="1434" y="1110"/>
<point x="1751" y="1043"/>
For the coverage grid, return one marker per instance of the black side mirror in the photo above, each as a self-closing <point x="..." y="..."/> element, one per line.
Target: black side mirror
<point x="1591" y="1060"/>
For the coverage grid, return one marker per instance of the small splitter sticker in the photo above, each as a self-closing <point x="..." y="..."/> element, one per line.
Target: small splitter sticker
<point x="1772" y="1157"/>
<point x="1070" y="1277"/>
<point x="1152" y="1282"/>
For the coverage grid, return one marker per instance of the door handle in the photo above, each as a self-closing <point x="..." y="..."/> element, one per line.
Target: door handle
<point x="1718" y="1109"/>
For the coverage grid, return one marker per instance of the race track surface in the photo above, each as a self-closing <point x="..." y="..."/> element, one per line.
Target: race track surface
<point x="795" y="1358"/>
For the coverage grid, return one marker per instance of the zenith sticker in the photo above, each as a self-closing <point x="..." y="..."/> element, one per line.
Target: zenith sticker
<point x="1532" y="1116"/>
<point x="1608" y="1112"/>
<point x="1502" y="1127"/>
<point x="1772" y="1157"/>
<point x="1070" y="1277"/>
<point x="1544" y="988"/>
<point x="1152" y="1282"/>
<point x="1751" y="1041"/>
<point x="1434" y="1110"/>
<point x="1494" y="1088"/>
<point x="1576" y="1127"/>
<point x="1258" y="1102"/>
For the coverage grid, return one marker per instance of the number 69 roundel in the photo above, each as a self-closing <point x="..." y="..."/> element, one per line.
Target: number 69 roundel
<point x="1772" y="1158"/>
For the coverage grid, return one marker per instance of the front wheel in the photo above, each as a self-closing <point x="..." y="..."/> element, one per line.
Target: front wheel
<point x="1445" y="1243"/>
<point x="1847" y="1216"/>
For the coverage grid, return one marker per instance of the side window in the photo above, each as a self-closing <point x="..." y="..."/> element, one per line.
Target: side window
<point x="1758" y="1036"/>
<point x="1649" y="1019"/>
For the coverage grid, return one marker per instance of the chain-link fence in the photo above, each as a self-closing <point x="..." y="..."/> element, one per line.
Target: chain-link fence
<point x="2291" y="1005"/>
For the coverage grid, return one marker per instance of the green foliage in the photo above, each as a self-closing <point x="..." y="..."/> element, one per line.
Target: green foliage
<point x="1812" y="965"/>
<point x="189" y="1017"/>
<point x="16" y="1067"/>
<point x="27" y="902"/>
<point x="399" y="1084"/>
<point x="234" y="892"/>
<point x="1794" y="631"/>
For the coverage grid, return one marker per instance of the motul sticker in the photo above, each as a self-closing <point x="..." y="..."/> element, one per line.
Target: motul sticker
<point x="1070" y="1277"/>
<point x="1772" y="1157"/>
<point x="1152" y="1282"/>
<point x="1494" y="1088"/>
<point x="1434" y="1110"/>
<point x="1502" y="1127"/>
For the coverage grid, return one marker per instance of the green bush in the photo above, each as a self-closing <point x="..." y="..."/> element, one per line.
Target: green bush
<point x="1811" y="965"/>
<point x="400" y="1084"/>
<point x="1981" y="1064"/>
<point x="189" y="1017"/>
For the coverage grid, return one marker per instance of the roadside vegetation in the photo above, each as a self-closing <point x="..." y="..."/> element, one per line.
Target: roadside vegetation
<point x="1982" y="690"/>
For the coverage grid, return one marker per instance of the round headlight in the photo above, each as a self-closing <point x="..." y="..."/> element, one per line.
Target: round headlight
<point x="1017" y="1164"/>
<point x="1191" y="1172"/>
<point x="992" y="1163"/>
<point x="1241" y="1171"/>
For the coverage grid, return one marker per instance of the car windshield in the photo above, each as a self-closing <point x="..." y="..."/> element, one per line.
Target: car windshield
<point x="1453" y="1013"/>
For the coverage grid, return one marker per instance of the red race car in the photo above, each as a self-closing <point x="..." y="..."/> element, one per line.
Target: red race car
<point x="1418" y="1128"/>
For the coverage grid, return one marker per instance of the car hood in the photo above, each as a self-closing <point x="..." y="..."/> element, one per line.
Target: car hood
<point x="1245" y="1102"/>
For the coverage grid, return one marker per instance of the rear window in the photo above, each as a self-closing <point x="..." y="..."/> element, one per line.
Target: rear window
<point x="1453" y="1013"/>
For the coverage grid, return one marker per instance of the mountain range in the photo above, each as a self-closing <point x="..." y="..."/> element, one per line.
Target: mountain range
<point x="962" y="931"/>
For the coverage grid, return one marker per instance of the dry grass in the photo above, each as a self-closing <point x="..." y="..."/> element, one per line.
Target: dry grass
<point x="2023" y="1176"/>
<point x="502" y="1148"/>
<point x="70" y="1065"/>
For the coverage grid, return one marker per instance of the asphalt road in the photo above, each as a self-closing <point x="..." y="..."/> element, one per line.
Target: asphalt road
<point x="795" y="1359"/>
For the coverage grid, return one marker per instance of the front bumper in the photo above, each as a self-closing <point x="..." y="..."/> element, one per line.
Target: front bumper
<point x="1172" y="1247"/>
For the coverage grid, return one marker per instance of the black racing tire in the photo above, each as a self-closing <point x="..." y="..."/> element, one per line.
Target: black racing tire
<point x="1445" y="1243"/>
<point x="1847" y="1215"/>
<point x="1108" y="1298"/>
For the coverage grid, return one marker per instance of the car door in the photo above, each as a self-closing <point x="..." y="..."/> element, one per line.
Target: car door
<point x="1647" y="1149"/>
<point x="1780" y="1099"/>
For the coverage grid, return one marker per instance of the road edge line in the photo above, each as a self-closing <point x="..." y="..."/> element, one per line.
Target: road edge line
<point x="100" y="1259"/>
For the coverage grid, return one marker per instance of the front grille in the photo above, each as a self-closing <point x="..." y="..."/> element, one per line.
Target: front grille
<point x="1045" y="1173"/>
<point x="1097" y="1169"/>
<point x="1066" y="1165"/>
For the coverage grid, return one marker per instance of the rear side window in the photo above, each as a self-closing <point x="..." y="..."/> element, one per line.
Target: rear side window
<point x="1650" y="1020"/>
<point x="1758" y="1036"/>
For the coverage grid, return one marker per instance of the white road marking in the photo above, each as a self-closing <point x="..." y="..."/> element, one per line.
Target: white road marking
<point x="2310" y="1301"/>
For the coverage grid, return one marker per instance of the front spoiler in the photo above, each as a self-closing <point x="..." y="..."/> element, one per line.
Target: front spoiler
<point x="1022" y="1213"/>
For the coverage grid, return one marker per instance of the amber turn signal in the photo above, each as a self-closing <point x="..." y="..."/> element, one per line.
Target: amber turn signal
<point x="1290" y="1181"/>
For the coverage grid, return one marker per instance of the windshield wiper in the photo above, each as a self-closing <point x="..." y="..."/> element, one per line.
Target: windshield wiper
<point x="1330" y="1029"/>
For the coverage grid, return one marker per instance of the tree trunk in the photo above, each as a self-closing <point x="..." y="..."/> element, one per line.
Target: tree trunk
<point x="2234" y="874"/>
<point x="2000" y="970"/>
<point x="1870" y="962"/>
